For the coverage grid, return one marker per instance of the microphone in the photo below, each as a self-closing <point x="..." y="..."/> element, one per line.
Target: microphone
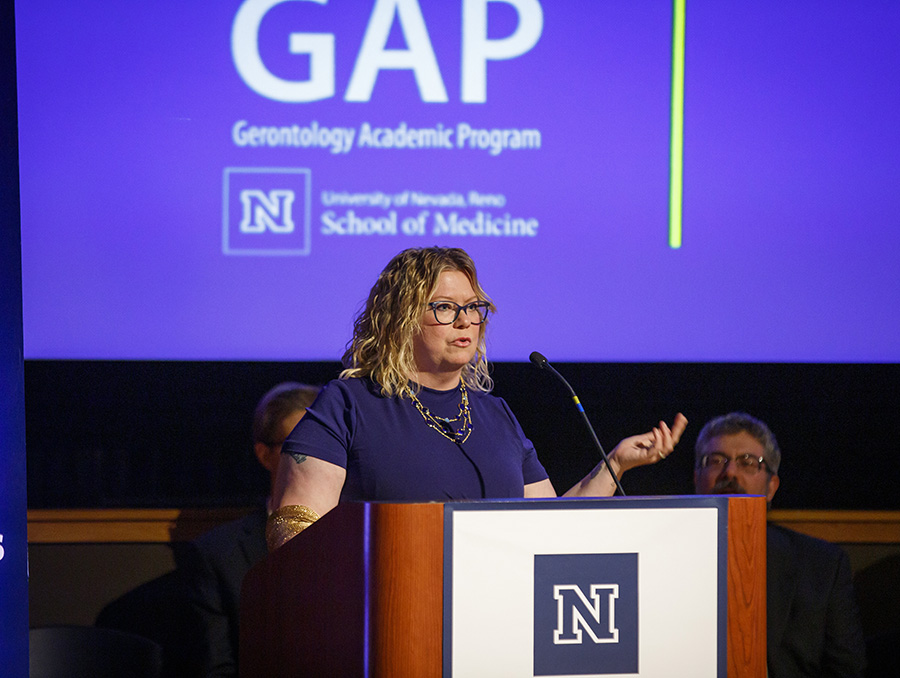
<point x="539" y="361"/>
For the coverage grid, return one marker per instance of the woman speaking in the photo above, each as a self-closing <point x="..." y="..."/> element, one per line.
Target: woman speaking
<point x="411" y="417"/>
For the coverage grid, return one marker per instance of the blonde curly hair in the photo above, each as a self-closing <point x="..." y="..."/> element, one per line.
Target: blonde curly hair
<point x="382" y="344"/>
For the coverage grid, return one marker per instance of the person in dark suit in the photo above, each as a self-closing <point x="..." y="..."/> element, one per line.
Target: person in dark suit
<point x="224" y="555"/>
<point x="813" y="626"/>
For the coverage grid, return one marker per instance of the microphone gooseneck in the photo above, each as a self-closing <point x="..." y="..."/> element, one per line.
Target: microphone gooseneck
<point x="539" y="361"/>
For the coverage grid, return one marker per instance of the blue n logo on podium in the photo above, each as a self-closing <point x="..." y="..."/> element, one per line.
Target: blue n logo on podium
<point x="577" y="612"/>
<point x="585" y="614"/>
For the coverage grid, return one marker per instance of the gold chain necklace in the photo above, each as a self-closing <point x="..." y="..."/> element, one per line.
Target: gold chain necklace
<point x="439" y="424"/>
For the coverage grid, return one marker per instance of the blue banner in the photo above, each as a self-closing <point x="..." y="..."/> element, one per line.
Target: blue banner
<point x="13" y="522"/>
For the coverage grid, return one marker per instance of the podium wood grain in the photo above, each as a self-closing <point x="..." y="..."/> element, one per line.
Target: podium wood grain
<point x="746" y="587"/>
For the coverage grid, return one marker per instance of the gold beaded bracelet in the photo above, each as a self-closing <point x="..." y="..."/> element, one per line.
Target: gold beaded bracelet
<point x="286" y="523"/>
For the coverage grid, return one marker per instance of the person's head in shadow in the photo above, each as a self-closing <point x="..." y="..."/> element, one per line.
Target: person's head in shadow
<point x="276" y="415"/>
<point x="736" y="454"/>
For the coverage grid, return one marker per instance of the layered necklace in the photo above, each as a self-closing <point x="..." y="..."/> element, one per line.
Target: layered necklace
<point x="447" y="427"/>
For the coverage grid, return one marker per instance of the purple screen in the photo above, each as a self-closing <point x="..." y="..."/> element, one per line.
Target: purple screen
<point x="224" y="180"/>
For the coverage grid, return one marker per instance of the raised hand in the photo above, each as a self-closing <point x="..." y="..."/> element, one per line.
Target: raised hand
<point x="650" y="447"/>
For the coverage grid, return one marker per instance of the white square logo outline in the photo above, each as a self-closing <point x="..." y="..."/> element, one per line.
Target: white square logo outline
<point x="227" y="248"/>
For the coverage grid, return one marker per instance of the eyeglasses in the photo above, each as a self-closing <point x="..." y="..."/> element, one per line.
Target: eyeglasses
<point x="446" y="312"/>
<point x="746" y="463"/>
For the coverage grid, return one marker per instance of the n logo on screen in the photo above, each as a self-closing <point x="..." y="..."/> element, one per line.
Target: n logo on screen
<point x="266" y="211"/>
<point x="579" y="614"/>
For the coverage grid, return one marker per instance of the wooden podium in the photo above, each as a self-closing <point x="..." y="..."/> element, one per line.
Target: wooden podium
<point x="401" y="590"/>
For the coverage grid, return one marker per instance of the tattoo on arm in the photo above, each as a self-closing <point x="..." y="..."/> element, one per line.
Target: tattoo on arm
<point x="298" y="458"/>
<point x="597" y="469"/>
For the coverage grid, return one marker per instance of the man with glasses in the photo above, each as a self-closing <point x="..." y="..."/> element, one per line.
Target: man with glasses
<point x="813" y="626"/>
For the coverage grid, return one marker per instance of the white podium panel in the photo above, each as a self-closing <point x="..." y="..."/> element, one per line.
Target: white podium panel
<point x="613" y="587"/>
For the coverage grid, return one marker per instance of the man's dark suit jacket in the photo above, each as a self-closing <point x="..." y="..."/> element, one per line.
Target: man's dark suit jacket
<point x="813" y="623"/>
<point x="223" y="556"/>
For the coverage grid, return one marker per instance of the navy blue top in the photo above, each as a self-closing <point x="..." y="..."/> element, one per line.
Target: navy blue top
<point x="391" y="454"/>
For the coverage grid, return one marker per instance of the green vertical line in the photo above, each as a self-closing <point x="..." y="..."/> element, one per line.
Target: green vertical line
<point x="676" y="144"/>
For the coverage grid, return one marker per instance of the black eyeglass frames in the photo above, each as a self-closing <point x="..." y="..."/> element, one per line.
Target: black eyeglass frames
<point x="446" y="312"/>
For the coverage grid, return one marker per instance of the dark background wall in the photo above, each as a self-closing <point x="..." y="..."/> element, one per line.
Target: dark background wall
<point x="177" y="434"/>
